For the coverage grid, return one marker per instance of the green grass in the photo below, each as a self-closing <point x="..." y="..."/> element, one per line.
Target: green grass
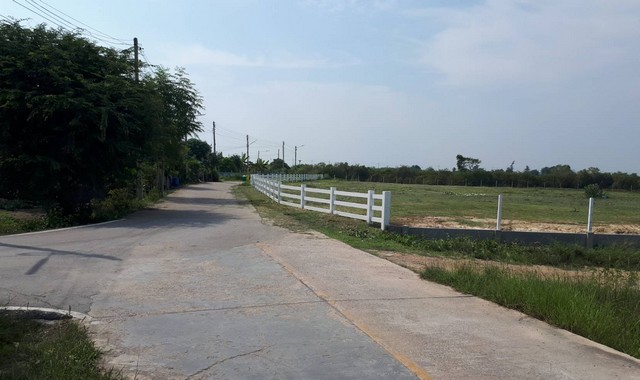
<point x="61" y="350"/>
<point x="13" y="225"/>
<point x="534" y="204"/>
<point x="604" y="308"/>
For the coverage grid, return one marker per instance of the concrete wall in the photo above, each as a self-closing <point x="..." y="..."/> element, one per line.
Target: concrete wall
<point x="523" y="237"/>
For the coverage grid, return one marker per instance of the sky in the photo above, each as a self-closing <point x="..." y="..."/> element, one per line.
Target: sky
<point x="395" y="82"/>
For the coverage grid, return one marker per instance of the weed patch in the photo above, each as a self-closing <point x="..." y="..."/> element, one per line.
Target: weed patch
<point x="604" y="308"/>
<point x="30" y="349"/>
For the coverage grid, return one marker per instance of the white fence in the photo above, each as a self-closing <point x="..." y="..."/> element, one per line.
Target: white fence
<point x="589" y="215"/>
<point x="372" y="208"/>
<point x="290" y="177"/>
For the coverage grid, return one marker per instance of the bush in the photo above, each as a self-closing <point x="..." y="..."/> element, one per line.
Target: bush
<point x="14" y="204"/>
<point x="215" y="176"/>
<point x="593" y="191"/>
<point x="118" y="203"/>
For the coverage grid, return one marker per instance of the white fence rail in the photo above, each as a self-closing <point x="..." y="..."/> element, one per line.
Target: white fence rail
<point x="369" y="206"/>
<point x="291" y="177"/>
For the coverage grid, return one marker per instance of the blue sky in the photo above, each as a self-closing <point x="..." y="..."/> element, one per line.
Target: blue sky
<point x="388" y="83"/>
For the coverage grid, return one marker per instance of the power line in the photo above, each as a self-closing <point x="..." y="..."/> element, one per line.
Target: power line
<point x="41" y="15"/>
<point x="65" y="24"/>
<point x="45" y="10"/>
<point x="119" y="40"/>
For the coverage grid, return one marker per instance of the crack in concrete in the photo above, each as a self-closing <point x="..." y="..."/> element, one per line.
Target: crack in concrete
<point x="224" y="360"/>
<point x="246" y="307"/>
<point x="38" y="297"/>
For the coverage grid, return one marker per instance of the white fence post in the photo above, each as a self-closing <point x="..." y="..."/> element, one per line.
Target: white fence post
<point x="332" y="200"/>
<point x="499" y="218"/>
<point x="302" y="189"/>
<point x="386" y="209"/>
<point x="590" y="217"/>
<point x="279" y="192"/>
<point x="369" y="206"/>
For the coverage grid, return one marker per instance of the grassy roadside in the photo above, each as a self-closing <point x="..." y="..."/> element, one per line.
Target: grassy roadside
<point x="30" y="349"/>
<point x="603" y="305"/>
<point x="19" y="217"/>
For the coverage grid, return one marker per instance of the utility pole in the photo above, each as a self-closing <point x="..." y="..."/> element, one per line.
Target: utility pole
<point x="214" y="138"/>
<point x="295" y="156"/>
<point x="247" y="149"/>
<point x="139" y="188"/>
<point x="283" y="155"/>
<point x="135" y="58"/>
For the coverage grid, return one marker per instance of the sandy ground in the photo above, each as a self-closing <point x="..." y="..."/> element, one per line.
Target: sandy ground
<point x="515" y="225"/>
<point x="418" y="263"/>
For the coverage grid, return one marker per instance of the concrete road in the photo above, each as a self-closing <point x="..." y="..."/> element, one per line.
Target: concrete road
<point x="201" y="288"/>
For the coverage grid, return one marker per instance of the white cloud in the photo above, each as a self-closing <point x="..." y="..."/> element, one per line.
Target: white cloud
<point x="357" y="5"/>
<point x="196" y="54"/>
<point x="515" y="42"/>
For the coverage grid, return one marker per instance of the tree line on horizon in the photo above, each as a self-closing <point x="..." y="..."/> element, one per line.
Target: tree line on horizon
<point x="466" y="172"/>
<point x="471" y="174"/>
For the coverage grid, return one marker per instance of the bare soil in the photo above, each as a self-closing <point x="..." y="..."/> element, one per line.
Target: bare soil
<point x="515" y="225"/>
<point x="25" y="214"/>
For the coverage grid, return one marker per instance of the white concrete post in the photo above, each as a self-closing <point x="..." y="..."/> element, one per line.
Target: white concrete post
<point x="332" y="200"/>
<point x="499" y="218"/>
<point x="386" y="209"/>
<point x="590" y="217"/>
<point x="279" y="192"/>
<point x="302" y="189"/>
<point x="369" y="206"/>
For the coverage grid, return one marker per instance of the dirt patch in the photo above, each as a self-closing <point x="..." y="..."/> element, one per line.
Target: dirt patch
<point x="514" y="225"/>
<point x="25" y="214"/>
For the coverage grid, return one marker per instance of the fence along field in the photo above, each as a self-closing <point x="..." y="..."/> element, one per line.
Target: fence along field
<point x="367" y="206"/>
<point x="533" y="209"/>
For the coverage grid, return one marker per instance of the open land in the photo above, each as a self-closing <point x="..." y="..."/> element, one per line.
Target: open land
<point x="524" y="209"/>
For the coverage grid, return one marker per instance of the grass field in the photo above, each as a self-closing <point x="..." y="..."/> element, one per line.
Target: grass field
<point x="477" y="206"/>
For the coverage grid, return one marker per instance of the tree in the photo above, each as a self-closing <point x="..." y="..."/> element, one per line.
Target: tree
<point x="467" y="163"/>
<point x="74" y="118"/>
<point x="198" y="149"/>
<point x="559" y="175"/>
<point x="278" y="166"/>
<point x="260" y="166"/>
<point x="70" y="115"/>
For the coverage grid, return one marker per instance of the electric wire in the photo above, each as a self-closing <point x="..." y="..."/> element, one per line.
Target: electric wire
<point x="64" y="24"/>
<point x="41" y="15"/>
<point x="48" y="12"/>
<point x="116" y="40"/>
<point x="51" y="14"/>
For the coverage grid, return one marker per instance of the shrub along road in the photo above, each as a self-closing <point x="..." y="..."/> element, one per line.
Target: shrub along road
<point x="200" y="287"/>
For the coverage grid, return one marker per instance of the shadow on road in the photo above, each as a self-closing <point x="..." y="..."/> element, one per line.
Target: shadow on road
<point x="164" y="218"/>
<point x="53" y="252"/>
<point x="206" y="201"/>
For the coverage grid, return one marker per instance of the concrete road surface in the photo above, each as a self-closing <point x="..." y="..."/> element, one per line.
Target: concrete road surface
<point x="200" y="287"/>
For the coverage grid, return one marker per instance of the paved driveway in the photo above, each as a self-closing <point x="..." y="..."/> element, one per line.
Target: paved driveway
<point x="200" y="287"/>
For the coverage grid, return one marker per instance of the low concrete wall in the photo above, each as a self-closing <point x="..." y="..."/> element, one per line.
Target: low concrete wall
<point x="545" y="238"/>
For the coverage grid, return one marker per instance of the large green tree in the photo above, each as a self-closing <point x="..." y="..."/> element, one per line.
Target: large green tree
<point x="71" y="118"/>
<point x="74" y="122"/>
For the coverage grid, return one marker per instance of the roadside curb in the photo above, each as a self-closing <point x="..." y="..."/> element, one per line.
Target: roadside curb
<point x="50" y="313"/>
<point x="67" y="228"/>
